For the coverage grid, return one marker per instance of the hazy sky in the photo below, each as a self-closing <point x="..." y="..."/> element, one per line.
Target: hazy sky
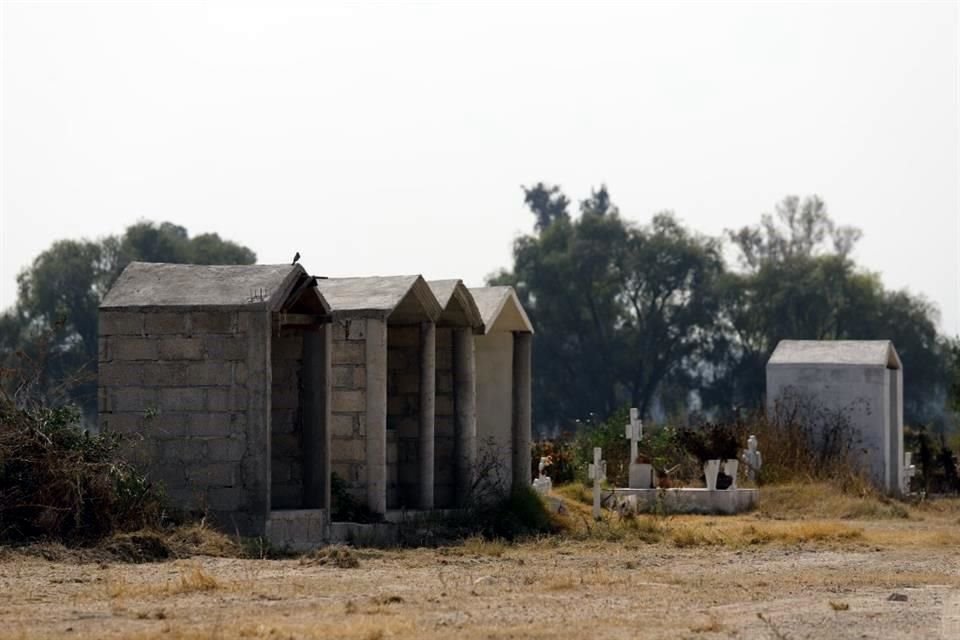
<point x="385" y="138"/>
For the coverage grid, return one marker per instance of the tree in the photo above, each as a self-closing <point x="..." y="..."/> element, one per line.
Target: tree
<point x="52" y="328"/>
<point x="799" y="282"/>
<point x="618" y="307"/>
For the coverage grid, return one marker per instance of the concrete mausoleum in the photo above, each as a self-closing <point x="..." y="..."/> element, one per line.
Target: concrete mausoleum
<point x="249" y="387"/>
<point x="862" y="378"/>
<point x="503" y="365"/>
<point x="222" y="373"/>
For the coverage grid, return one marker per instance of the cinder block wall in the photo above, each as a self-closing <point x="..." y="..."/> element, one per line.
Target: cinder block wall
<point x="403" y="415"/>
<point x="286" y="428"/>
<point x="444" y="431"/>
<point x="349" y="428"/>
<point x="180" y="385"/>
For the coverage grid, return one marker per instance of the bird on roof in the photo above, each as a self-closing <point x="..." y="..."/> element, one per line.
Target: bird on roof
<point x="296" y="258"/>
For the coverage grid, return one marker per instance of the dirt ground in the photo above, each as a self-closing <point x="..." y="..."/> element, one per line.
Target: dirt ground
<point x="752" y="576"/>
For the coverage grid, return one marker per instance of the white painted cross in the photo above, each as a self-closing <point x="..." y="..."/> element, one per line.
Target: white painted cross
<point x="634" y="431"/>
<point x="598" y="473"/>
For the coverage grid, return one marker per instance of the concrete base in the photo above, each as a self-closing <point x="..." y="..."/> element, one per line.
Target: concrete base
<point x="380" y="534"/>
<point x="705" y="501"/>
<point x="297" y="529"/>
<point x="642" y="476"/>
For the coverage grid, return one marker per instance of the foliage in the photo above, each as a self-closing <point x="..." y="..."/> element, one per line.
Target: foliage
<point x="618" y="307"/>
<point x="53" y="325"/>
<point x="58" y="481"/>
<point x="710" y="441"/>
<point x="562" y="455"/>
<point x="520" y="513"/>
<point x="646" y="314"/>
<point x="344" y="507"/>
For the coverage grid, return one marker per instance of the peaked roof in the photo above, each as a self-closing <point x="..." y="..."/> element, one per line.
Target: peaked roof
<point x="395" y="297"/>
<point x="196" y="286"/>
<point x="878" y="353"/>
<point x="459" y="307"/>
<point x="501" y="304"/>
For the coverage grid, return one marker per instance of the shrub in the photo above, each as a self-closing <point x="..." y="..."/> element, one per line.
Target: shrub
<point x="59" y="481"/>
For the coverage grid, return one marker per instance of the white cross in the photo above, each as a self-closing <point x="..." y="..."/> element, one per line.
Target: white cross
<point x="598" y="473"/>
<point x="634" y="431"/>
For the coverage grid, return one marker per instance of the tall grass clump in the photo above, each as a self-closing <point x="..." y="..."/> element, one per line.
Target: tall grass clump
<point x="58" y="481"/>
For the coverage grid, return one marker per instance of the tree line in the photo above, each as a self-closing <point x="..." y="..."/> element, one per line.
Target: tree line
<point x="656" y="316"/>
<point x="651" y="315"/>
<point x="48" y="339"/>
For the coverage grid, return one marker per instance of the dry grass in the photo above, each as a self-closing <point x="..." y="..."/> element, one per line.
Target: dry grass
<point x="478" y="546"/>
<point x="338" y="556"/>
<point x="192" y="579"/>
<point x="822" y="500"/>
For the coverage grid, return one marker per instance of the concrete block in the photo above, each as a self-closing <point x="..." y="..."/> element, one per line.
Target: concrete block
<point x="349" y="377"/>
<point x="397" y="360"/>
<point x="116" y="323"/>
<point x="210" y="424"/>
<point x="164" y="374"/>
<point x="179" y="348"/>
<point x="348" y="352"/>
<point x="226" y="449"/>
<point x="287" y="347"/>
<point x="283" y="420"/>
<point x="356" y="330"/>
<point x="285" y="445"/>
<point x="343" y="425"/>
<point x="444" y="405"/>
<point x="225" y="498"/>
<point x="240" y="373"/>
<point x="212" y="322"/>
<point x="285" y="397"/>
<point x="167" y="424"/>
<point x="120" y="373"/>
<point x="445" y="359"/>
<point x="347" y="401"/>
<point x="123" y="423"/>
<point x="132" y="348"/>
<point x="444" y="427"/>
<point x="160" y="323"/>
<point x="212" y="474"/>
<point x="224" y="347"/>
<point x="183" y="450"/>
<point x="407" y="336"/>
<point x="444" y="381"/>
<point x="339" y="330"/>
<point x="182" y="399"/>
<point x="408" y="427"/>
<point x="226" y="398"/>
<point x="138" y="399"/>
<point x="103" y="349"/>
<point x="444" y="338"/>
<point x="408" y="382"/>
<point x="208" y="373"/>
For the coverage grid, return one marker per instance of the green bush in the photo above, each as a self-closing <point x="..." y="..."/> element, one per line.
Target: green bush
<point x="60" y="482"/>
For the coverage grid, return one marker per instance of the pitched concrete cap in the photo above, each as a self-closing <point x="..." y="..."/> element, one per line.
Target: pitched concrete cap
<point x="875" y="353"/>
<point x="459" y="307"/>
<point x="146" y="285"/>
<point x="501" y="310"/>
<point x="397" y="298"/>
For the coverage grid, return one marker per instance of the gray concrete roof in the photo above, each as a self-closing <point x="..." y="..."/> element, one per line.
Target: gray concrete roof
<point x="379" y="296"/>
<point x="879" y="353"/>
<point x="163" y="285"/>
<point x="459" y="307"/>
<point x="495" y="302"/>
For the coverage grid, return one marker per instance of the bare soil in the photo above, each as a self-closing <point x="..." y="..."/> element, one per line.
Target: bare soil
<point x="749" y="576"/>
